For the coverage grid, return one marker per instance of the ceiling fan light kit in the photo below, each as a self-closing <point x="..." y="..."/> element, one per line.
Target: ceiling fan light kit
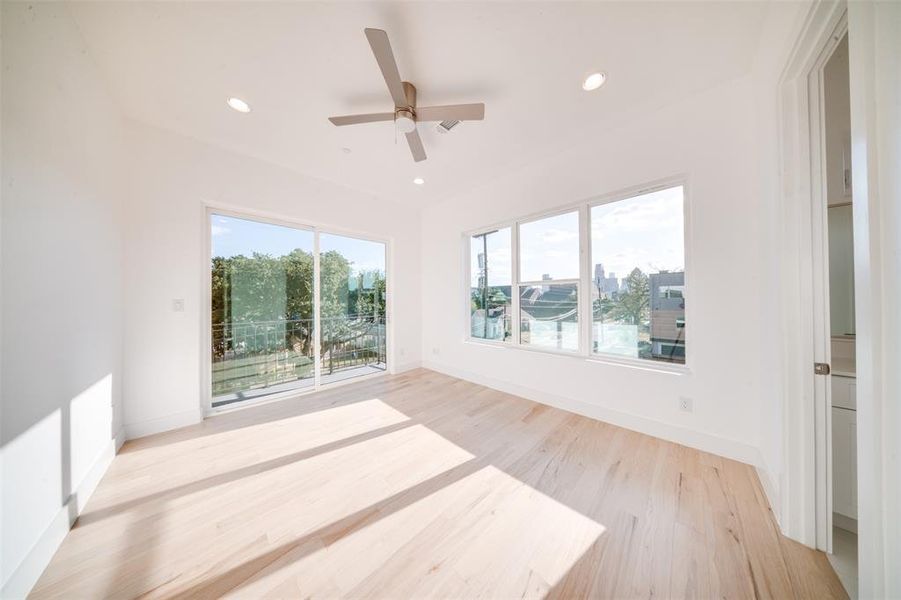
<point x="406" y="114"/>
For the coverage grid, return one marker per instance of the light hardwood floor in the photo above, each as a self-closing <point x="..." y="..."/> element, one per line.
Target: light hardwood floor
<point x="422" y="485"/>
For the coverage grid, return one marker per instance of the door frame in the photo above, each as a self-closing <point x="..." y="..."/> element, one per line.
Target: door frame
<point x="206" y="396"/>
<point x="822" y="327"/>
<point x="806" y="499"/>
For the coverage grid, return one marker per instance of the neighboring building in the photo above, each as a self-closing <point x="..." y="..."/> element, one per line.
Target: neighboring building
<point x="667" y="307"/>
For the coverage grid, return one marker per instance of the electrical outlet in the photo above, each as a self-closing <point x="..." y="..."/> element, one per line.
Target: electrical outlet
<point x="685" y="404"/>
<point x="402" y="352"/>
<point x="178" y="305"/>
<point x="436" y="351"/>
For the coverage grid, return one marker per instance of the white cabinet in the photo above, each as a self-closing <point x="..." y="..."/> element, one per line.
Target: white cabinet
<point x="844" y="462"/>
<point x="844" y="446"/>
<point x="844" y="392"/>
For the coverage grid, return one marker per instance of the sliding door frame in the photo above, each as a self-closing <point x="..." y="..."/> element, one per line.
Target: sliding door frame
<point x="206" y="389"/>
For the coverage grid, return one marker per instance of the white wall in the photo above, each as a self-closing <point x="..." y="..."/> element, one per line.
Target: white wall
<point x="61" y="303"/>
<point x="779" y="36"/>
<point x="710" y="138"/>
<point x="874" y="35"/>
<point x="171" y="178"/>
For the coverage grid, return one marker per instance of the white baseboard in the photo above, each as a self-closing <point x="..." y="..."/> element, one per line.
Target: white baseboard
<point x="771" y="490"/>
<point x="160" y="424"/>
<point x="396" y="370"/>
<point x="707" y="442"/>
<point x="32" y="566"/>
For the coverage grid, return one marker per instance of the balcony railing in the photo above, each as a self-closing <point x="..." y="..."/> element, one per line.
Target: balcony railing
<point x="260" y="354"/>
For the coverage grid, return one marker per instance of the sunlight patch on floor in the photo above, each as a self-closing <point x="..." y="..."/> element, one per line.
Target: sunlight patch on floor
<point x="499" y="537"/>
<point x="319" y="427"/>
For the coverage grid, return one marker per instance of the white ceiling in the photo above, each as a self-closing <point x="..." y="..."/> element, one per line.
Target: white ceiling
<point x="173" y="65"/>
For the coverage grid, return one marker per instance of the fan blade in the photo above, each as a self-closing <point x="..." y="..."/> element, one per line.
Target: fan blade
<point x="416" y="148"/>
<point x="451" y="112"/>
<point x="381" y="48"/>
<point x="356" y="119"/>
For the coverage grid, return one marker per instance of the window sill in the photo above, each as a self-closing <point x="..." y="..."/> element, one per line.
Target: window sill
<point x="626" y="362"/>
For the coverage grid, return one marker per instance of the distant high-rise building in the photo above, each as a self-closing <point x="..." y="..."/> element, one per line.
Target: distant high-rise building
<point x="605" y="284"/>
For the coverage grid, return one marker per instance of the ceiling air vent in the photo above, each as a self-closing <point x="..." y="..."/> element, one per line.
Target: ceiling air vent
<point x="446" y="126"/>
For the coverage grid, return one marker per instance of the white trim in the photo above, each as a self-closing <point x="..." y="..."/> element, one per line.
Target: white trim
<point x="585" y="315"/>
<point x="820" y="289"/>
<point x="802" y="454"/>
<point x="292" y="394"/>
<point x="544" y="282"/>
<point x="644" y="364"/>
<point x="515" y="323"/>
<point x="624" y="361"/>
<point x="317" y="317"/>
<point x="699" y="440"/>
<point x="771" y="491"/>
<point x="138" y="429"/>
<point x="403" y="368"/>
<point x="26" y="575"/>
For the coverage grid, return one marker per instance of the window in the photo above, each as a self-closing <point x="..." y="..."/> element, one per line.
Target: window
<point x="638" y="262"/>
<point x="549" y="248"/>
<point x="264" y="330"/>
<point x="622" y="296"/>
<point x="490" y="306"/>
<point x="549" y="262"/>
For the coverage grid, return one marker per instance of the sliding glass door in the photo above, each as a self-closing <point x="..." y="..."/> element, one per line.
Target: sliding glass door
<point x="352" y="307"/>
<point x="276" y="305"/>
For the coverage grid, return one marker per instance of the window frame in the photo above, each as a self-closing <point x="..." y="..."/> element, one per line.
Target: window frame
<point x="583" y="282"/>
<point x="467" y="288"/>
<point x="209" y="210"/>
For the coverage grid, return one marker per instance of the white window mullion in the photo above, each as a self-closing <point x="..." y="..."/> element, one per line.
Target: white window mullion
<point x="514" y="288"/>
<point x="317" y="324"/>
<point x="585" y="286"/>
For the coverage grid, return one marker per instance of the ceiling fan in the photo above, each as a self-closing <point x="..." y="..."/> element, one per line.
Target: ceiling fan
<point x="406" y="114"/>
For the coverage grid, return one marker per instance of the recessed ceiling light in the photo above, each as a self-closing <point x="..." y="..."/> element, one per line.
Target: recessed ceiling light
<point x="419" y="181"/>
<point x="594" y="81"/>
<point x="239" y="105"/>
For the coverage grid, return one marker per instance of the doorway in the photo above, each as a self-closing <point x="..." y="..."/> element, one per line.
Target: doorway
<point x="839" y="427"/>
<point x="292" y="308"/>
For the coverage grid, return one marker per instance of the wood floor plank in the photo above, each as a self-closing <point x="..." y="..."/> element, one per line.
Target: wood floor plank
<point x="423" y="485"/>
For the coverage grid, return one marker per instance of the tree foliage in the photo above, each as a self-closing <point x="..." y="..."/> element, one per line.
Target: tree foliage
<point x="277" y="293"/>
<point x="632" y="304"/>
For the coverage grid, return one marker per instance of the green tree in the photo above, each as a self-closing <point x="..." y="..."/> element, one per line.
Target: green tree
<point x="275" y="295"/>
<point x="632" y="306"/>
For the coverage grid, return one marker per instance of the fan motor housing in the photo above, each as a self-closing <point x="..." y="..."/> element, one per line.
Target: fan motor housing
<point x="410" y="93"/>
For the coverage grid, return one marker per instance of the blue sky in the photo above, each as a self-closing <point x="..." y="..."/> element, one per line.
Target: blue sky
<point x="232" y="236"/>
<point x="644" y="231"/>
